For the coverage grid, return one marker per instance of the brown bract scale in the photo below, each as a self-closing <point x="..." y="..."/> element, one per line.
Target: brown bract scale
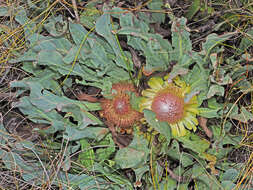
<point x="118" y="110"/>
<point x="168" y="106"/>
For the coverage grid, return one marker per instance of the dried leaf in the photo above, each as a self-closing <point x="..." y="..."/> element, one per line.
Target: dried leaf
<point x="202" y="123"/>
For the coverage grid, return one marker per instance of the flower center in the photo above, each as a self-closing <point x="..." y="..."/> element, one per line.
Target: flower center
<point x="121" y="106"/>
<point x="168" y="107"/>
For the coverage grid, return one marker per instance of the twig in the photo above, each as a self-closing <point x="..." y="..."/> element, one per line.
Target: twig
<point x="202" y="123"/>
<point x="67" y="9"/>
<point x="75" y="10"/>
<point x="4" y="75"/>
<point x="135" y="58"/>
<point x="180" y="179"/>
<point x="116" y="140"/>
<point x="60" y="162"/>
<point x="1" y="118"/>
<point x="87" y="97"/>
<point x="41" y="163"/>
<point x="16" y="179"/>
<point x="9" y="96"/>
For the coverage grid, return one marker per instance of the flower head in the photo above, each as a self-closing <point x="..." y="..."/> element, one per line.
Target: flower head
<point x="173" y="103"/>
<point x="118" y="109"/>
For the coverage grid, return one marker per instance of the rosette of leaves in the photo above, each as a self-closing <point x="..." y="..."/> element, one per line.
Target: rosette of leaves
<point x="65" y="56"/>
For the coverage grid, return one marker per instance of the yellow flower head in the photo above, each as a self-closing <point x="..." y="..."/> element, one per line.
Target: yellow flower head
<point x="172" y="103"/>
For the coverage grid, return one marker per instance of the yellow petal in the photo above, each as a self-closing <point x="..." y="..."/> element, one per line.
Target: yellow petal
<point x="166" y="77"/>
<point x="149" y="93"/>
<point x="192" y="109"/>
<point x="194" y="128"/>
<point x="174" y="130"/>
<point x="145" y="104"/>
<point x="155" y="83"/>
<point x="179" y="82"/>
<point x="190" y="118"/>
<point x="178" y="129"/>
<point x="193" y="101"/>
<point x="190" y="125"/>
<point x="182" y="130"/>
<point x="187" y="90"/>
<point x="194" y="119"/>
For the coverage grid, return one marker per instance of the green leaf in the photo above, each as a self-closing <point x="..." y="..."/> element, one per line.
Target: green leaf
<point x="87" y="156"/>
<point x="26" y="56"/>
<point x="139" y="172"/>
<point x="222" y="78"/>
<point x="244" y="116"/>
<point x="183" y="186"/>
<point x="47" y="101"/>
<point x="194" y="142"/>
<point x="180" y="39"/>
<point x="50" y="58"/>
<point x="230" y="174"/>
<point x="45" y="79"/>
<point x="152" y="46"/>
<point x="156" y="53"/>
<point x="223" y="137"/>
<point x="52" y="118"/>
<point x="186" y="60"/>
<point x="72" y="133"/>
<point x="197" y="78"/>
<point x="194" y="8"/>
<point x="71" y="55"/>
<point x="168" y="184"/>
<point x="62" y="45"/>
<point x="213" y="104"/>
<point x="177" y="70"/>
<point x="214" y="40"/>
<point x="118" y="75"/>
<point x="104" y="28"/>
<point x="82" y="181"/>
<point x="119" y="181"/>
<point x="161" y="127"/>
<point x="212" y="110"/>
<point x="246" y="41"/>
<point x="233" y="112"/>
<point x="89" y="16"/>
<point x="105" y="152"/>
<point x="29" y="27"/>
<point x="156" y="6"/>
<point x="203" y="180"/>
<point x="215" y="90"/>
<point x="208" y="113"/>
<point x="99" y="56"/>
<point x="56" y="26"/>
<point x="44" y="45"/>
<point x="4" y="11"/>
<point x="66" y="165"/>
<point x="138" y="37"/>
<point x="135" y="155"/>
<point x="41" y="107"/>
<point x="228" y="185"/>
<point x="175" y="153"/>
<point x="129" y="22"/>
<point x="4" y="135"/>
<point x="78" y="32"/>
<point x="13" y="160"/>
